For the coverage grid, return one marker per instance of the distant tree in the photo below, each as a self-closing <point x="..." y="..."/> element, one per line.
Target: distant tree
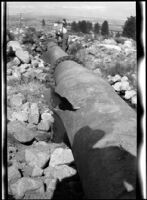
<point x="105" y="28"/>
<point x="129" y="28"/>
<point x="74" y="26"/>
<point x="118" y="34"/>
<point x="43" y="22"/>
<point x="96" y="28"/>
<point x="83" y="26"/>
<point x="89" y="26"/>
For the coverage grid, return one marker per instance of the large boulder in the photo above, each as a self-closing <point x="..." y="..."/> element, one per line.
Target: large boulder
<point x="34" y="114"/>
<point x="20" y="131"/>
<point x="15" y="45"/>
<point x="20" y="116"/>
<point x="61" y="156"/>
<point x="60" y="172"/>
<point x="13" y="173"/>
<point x="24" y="185"/>
<point x="17" y="99"/>
<point x="44" y="125"/>
<point x="129" y="94"/>
<point x="37" y="157"/>
<point x="23" y="55"/>
<point x="37" y="171"/>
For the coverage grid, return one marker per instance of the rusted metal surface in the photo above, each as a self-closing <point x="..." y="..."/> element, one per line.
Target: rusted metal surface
<point x="102" y="131"/>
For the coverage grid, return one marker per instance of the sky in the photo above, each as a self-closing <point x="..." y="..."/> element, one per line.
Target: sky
<point x="111" y="10"/>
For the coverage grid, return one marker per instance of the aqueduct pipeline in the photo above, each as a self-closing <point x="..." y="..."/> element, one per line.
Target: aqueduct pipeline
<point x="101" y="129"/>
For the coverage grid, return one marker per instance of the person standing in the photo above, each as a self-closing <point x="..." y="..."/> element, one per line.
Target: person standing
<point x="64" y="35"/>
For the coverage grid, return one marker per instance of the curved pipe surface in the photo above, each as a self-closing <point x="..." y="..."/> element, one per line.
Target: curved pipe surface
<point x="102" y="131"/>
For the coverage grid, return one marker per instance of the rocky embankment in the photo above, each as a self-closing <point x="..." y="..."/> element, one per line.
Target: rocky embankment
<point x="40" y="164"/>
<point x="114" y="60"/>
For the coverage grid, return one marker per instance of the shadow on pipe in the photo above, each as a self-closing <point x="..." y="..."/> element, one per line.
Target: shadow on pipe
<point x="114" y="169"/>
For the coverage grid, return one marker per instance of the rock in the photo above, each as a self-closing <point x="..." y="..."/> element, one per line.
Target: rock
<point x="125" y="85"/>
<point x="117" y="86"/>
<point x="24" y="185"/>
<point x="34" y="114"/>
<point x="26" y="107"/>
<point x="110" y="41"/>
<point x="44" y="136"/>
<point x="13" y="173"/>
<point x="116" y="78"/>
<point x="59" y="172"/>
<point x="124" y="78"/>
<point x="47" y="116"/>
<point x="97" y="71"/>
<point x="110" y="46"/>
<point x="61" y="156"/>
<point x="38" y="71"/>
<point x="128" y="186"/>
<point x="20" y="131"/>
<point x="16" y="61"/>
<point x="17" y="100"/>
<point x="23" y="68"/>
<point x="34" y="63"/>
<point x="129" y="94"/>
<point x="134" y="100"/>
<point x="16" y="74"/>
<point x="27" y="171"/>
<point x="21" y="116"/>
<point x="44" y="125"/>
<point x="9" y="72"/>
<point x="15" y="45"/>
<point x="37" y="171"/>
<point x="42" y="77"/>
<point x="128" y="44"/>
<point x="33" y="47"/>
<point x="41" y="64"/>
<point x="36" y="157"/>
<point x="23" y="56"/>
<point x="11" y="80"/>
<point x="38" y="49"/>
<point x="51" y="184"/>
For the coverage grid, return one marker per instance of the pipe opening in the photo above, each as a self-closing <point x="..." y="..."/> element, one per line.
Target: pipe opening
<point x="62" y="102"/>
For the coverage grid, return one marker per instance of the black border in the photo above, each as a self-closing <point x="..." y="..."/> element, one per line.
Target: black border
<point x="140" y="110"/>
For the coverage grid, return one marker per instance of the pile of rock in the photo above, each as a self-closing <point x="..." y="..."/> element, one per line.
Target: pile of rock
<point x="42" y="167"/>
<point x="122" y="86"/>
<point x="25" y="67"/>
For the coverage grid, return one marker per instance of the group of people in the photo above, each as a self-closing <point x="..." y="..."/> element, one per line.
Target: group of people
<point x="62" y="35"/>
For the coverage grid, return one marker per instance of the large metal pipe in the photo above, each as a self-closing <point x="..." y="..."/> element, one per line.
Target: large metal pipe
<point x="102" y="132"/>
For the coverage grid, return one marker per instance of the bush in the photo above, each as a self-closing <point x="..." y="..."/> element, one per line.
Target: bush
<point x="119" y="68"/>
<point x="30" y="36"/>
<point x="129" y="29"/>
<point x="74" y="48"/>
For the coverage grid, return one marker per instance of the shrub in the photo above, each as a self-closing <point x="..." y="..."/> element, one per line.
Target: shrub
<point x="74" y="48"/>
<point x="30" y="36"/>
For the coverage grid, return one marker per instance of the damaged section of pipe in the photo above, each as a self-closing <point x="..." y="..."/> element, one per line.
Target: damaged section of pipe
<point x="102" y="131"/>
